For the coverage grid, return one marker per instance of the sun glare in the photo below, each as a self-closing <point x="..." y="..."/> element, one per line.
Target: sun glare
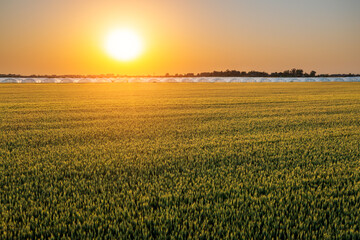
<point x="123" y="44"/>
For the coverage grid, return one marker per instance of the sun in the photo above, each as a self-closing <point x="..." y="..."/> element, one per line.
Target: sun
<point x="123" y="44"/>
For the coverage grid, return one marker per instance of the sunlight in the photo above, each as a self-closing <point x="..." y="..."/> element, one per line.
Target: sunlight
<point x="123" y="44"/>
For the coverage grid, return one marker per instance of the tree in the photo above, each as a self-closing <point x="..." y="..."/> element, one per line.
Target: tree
<point x="299" y="73"/>
<point x="312" y="73"/>
<point x="286" y="73"/>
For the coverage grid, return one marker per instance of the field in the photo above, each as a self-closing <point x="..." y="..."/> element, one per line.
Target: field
<point x="162" y="160"/>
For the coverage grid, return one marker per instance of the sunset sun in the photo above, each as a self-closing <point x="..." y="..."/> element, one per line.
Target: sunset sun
<point x="123" y="44"/>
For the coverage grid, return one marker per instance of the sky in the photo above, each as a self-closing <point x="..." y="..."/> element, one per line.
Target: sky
<point x="67" y="36"/>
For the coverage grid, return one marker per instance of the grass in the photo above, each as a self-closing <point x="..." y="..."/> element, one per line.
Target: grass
<point x="176" y="161"/>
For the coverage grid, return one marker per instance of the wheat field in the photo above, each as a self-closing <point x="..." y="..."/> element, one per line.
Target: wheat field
<point x="180" y="160"/>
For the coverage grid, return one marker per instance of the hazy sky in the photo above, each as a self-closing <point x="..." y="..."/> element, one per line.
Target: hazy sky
<point x="67" y="36"/>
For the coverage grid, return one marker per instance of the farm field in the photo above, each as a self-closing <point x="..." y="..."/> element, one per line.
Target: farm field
<point x="180" y="160"/>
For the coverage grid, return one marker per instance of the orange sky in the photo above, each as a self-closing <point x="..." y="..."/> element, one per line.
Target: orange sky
<point x="67" y="37"/>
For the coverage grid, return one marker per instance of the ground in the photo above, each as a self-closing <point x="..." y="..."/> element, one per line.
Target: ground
<point x="180" y="160"/>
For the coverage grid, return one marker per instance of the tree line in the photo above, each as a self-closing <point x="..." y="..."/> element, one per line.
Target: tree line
<point x="227" y="73"/>
<point x="235" y="73"/>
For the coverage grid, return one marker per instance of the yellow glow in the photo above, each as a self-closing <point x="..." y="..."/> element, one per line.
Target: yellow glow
<point x="123" y="44"/>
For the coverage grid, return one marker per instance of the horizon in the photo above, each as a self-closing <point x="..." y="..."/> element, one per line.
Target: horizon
<point x="48" y="38"/>
<point x="222" y="73"/>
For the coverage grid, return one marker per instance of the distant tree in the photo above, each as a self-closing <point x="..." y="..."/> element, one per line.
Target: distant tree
<point x="312" y="73"/>
<point x="275" y="74"/>
<point x="299" y="73"/>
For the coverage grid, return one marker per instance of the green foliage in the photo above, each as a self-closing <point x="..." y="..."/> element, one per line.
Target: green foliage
<point x="203" y="161"/>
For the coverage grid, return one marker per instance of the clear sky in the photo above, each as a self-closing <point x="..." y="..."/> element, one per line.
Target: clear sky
<point x="67" y="36"/>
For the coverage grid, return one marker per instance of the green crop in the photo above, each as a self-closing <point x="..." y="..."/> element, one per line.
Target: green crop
<point x="175" y="161"/>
